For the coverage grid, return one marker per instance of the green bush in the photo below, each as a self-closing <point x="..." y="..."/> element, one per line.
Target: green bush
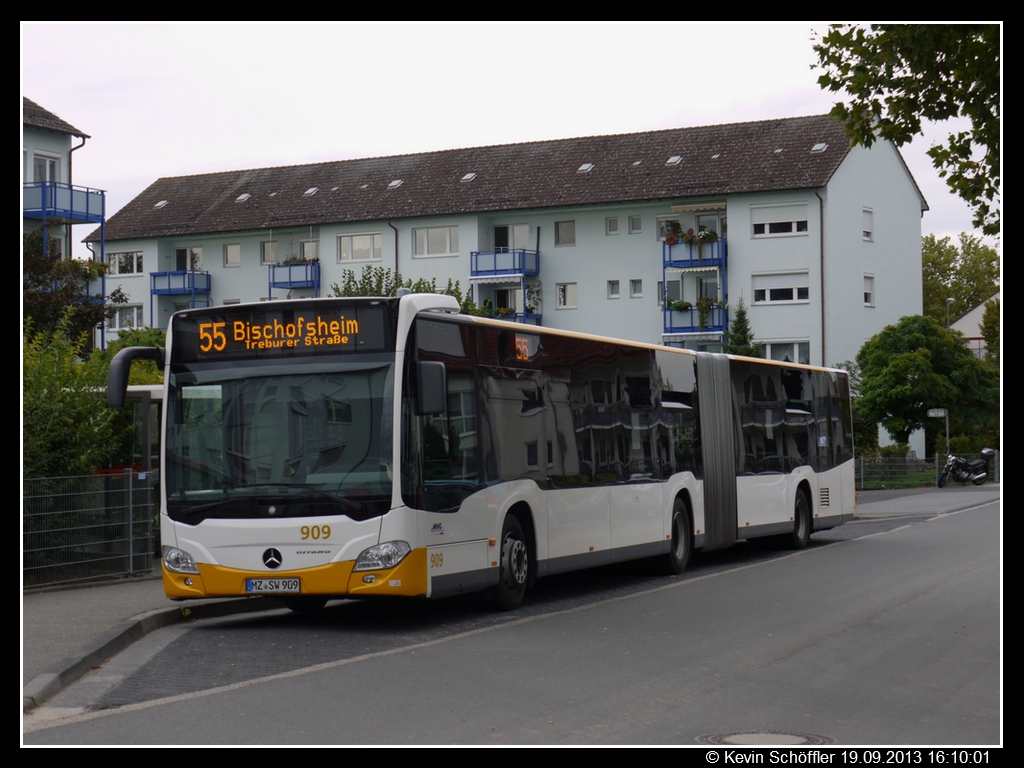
<point x="68" y="428"/>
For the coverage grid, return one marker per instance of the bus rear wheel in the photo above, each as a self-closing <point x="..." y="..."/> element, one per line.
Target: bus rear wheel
<point x="679" y="555"/>
<point x="514" y="566"/>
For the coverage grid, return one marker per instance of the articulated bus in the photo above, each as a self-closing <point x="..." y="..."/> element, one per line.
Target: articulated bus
<point x="347" y="448"/>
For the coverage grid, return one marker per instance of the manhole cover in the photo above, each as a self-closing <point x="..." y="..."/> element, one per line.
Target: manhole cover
<point x="752" y="738"/>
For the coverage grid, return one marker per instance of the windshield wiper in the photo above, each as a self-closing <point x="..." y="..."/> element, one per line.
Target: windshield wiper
<point x="346" y="503"/>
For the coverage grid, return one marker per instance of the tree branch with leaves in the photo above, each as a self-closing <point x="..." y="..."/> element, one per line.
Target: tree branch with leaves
<point x="896" y="75"/>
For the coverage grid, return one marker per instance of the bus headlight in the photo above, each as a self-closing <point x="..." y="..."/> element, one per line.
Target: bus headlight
<point x="386" y="555"/>
<point x="179" y="561"/>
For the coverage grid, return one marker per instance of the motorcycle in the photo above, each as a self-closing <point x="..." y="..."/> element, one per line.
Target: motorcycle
<point x="964" y="471"/>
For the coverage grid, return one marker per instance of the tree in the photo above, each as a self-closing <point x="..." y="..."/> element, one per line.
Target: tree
<point x="68" y="428"/>
<point x="56" y="290"/>
<point x="377" y="281"/>
<point x="990" y="329"/>
<point x="897" y="75"/>
<point x="917" y="364"/>
<point x="741" y="336"/>
<point x="969" y="275"/>
<point x="865" y="426"/>
<point x="142" y="371"/>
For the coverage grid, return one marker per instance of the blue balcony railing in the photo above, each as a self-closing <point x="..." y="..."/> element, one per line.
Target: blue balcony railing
<point x="688" y="321"/>
<point x="43" y="199"/>
<point x="513" y="261"/>
<point x="184" y="281"/>
<point x="704" y="255"/>
<point x="305" y="274"/>
<point x="520" y="317"/>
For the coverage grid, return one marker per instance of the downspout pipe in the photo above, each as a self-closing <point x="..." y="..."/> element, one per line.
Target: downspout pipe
<point x="396" y="247"/>
<point x="67" y="227"/>
<point x="821" y="268"/>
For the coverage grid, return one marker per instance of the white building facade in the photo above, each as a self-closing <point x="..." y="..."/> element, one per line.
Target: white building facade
<point x="49" y="199"/>
<point x="822" y="242"/>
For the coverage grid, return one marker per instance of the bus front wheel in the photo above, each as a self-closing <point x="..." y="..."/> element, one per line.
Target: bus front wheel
<point x="801" y="534"/>
<point x="514" y="566"/>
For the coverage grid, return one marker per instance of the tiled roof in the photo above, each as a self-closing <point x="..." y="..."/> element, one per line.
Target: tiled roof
<point x="38" y="117"/>
<point x="712" y="161"/>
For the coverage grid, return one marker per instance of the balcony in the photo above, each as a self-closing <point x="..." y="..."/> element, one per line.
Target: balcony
<point x="45" y="199"/>
<point x="304" y="274"/>
<point x="184" y="282"/>
<point x="526" y="318"/>
<point x="694" y="256"/>
<point x="688" y="321"/>
<point x="504" y="263"/>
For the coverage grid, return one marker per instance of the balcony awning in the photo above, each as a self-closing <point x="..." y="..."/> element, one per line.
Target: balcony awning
<point x="496" y="279"/>
<point x="706" y="205"/>
<point x="709" y="268"/>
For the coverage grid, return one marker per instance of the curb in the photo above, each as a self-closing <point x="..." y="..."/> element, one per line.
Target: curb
<point x="67" y="671"/>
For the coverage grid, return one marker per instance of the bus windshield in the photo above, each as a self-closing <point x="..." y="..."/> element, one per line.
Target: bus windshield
<point x="300" y="439"/>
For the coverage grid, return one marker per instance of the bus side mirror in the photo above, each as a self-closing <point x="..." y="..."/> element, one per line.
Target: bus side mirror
<point x="120" y="366"/>
<point x="431" y="388"/>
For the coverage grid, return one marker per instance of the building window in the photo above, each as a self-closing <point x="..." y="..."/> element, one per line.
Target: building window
<point x="778" y="220"/>
<point x="233" y="255"/>
<point x="663" y="225"/>
<point x="868" y="226"/>
<point x="636" y="289"/>
<point x="309" y="250"/>
<point x="45" y="168"/>
<point x="565" y="294"/>
<point x="707" y="288"/>
<point x="359" y="247"/>
<point x="126" y="317"/>
<point x="504" y="298"/>
<point x="436" y="241"/>
<point x="671" y="292"/>
<point x="511" y="237"/>
<point x="611" y="225"/>
<point x="635" y="225"/>
<point x="268" y="252"/>
<point x="869" y="290"/>
<point x="788" y="351"/>
<point x="613" y="289"/>
<point x="565" y="233"/>
<point x="708" y="222"/>
<point x="188" y="259"/>
<point x="789" y="288"/>
<point x="129" y="263"/>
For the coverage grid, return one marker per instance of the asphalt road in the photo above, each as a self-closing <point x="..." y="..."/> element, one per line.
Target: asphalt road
<point x="882" y="632"/>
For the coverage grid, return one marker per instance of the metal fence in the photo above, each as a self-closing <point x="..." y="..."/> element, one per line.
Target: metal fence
<point x="81" y="528"/>
<point x="881" y="472"/>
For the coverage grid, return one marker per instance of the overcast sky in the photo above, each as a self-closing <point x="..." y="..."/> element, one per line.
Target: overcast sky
<point x="172" y="100"/>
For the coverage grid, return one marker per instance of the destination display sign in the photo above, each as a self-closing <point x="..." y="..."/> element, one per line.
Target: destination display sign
<point x="282" y="330"/>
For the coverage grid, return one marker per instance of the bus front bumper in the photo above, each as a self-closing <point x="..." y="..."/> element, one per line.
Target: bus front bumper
<point x="335" y="580"/>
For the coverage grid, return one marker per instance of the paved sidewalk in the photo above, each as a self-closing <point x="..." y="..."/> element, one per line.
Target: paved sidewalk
<point x="67" y="632"/>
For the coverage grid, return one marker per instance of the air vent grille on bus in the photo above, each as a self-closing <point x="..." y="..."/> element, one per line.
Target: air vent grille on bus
<point x="823" y="497"/>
